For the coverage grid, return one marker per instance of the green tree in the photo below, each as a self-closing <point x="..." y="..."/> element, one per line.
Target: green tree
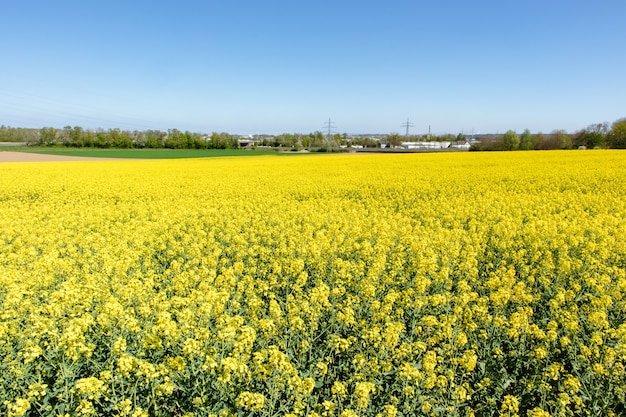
<point x="199" y="142"/>
<point x="592" y="137"/>
<point x="286" y="139"/>
<point x="17" y="134"/>
<point x="526" y="140"/>
<point x="174" y="139"/>
<point x="510" y="141"/>
<point x="558" y="139"/>
<point x="366" y="142"/>
<point x="102" y="139"/>
<point x="154" y="138"/>
<point x="345" y="139"/>
<point x="139" y="139"/>
<point x="64" y="135"/>
<point x="47" y="136"/>
<point x="188" y="142"/>
<point x="394" y="140"/>
<point x="616" y="138"/>
<point x="31" y="136"/>
<point x="563" y="139"/>
<point x="120" y="139"/>
<point x="77" y="137"/>
<point x="315" y="140"/>
<point x="223" y="141"/>
<point x="336" y="139"/>
<point x="539" y="138"/>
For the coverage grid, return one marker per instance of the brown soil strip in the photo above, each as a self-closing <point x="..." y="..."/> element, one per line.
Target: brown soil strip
<point x="8" y="156"/>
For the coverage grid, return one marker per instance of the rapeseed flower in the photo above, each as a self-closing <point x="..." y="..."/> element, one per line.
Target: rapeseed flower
<point x="378" y="284"/>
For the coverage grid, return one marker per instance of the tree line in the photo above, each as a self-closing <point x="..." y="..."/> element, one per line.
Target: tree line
<point x="173" y="139"/>
<point x="599" y="135"/>
<point x="116" y="138"/>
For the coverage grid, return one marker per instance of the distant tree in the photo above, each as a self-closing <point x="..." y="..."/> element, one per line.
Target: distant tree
<point x="510" y="141"/>
<point x="488" y="143"/>
<point x="64" y="135"/>
<point x="526" y="141"/>
<point x="414" y="138"/>
<point x="174" y="139"/>
<point x="102" y="139"/>
<point x="182" y="140"/>
<point x="188" y="140"/>
<point x="31" y="136"/>
<point x="548" y="142"/>
<point x="336" y="140"/>
<point x="17" y="134"/>
<point x="78" y="138"/>
<point x="154" y="138"/>
<point x="118" y="138"/>
<point x="279" y="140"/>
<point x="139" y="139"/>
<point x="558" y="139"/>
<point x="539" y="138"/>
<point x="288" y="140"/>
<point x="564" y="139"/>
<point x="592" y="137"/>
<point x="366" y="142"/>
<point x="315" y="140"/>
<point x="328" y="144"/>
<point x="394" y="140"/>
<point x="460" y="137"/>
<point x="448" y="137"/>
<point x="199" y="142"/>
<point x="223" y="141"/>
<point x="233" y="142"/>
<point x="616" y="137"/>
<point x="47" y="136"/>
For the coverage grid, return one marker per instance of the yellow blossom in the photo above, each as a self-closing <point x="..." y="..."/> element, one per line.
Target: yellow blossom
<point x="17" y="408"/>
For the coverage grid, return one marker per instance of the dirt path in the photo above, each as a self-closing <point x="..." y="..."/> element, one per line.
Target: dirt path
<point x="9" y="156"/>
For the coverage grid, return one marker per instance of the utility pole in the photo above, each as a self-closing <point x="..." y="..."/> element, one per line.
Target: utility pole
<point x="407" y="125"/>
<point x="329" y="125"/>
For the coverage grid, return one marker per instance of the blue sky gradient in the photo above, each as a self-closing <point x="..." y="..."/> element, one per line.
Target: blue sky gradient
<point x="282" y="66"/>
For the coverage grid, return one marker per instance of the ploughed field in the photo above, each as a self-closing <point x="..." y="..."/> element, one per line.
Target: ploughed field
<point x="338" y="285"/>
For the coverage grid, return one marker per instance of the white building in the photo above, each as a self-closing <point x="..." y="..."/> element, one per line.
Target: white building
<point x="425" y="145"/>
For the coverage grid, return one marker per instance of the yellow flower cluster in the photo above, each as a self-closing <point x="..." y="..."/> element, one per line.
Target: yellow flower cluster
<point x="329" y="285"/>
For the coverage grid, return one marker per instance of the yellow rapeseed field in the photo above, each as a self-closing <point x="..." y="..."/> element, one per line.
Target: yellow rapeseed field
<point x="474" y="284"/>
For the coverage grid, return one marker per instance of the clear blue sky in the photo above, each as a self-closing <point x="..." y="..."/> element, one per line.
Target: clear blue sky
<point x="288" y="66"/>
